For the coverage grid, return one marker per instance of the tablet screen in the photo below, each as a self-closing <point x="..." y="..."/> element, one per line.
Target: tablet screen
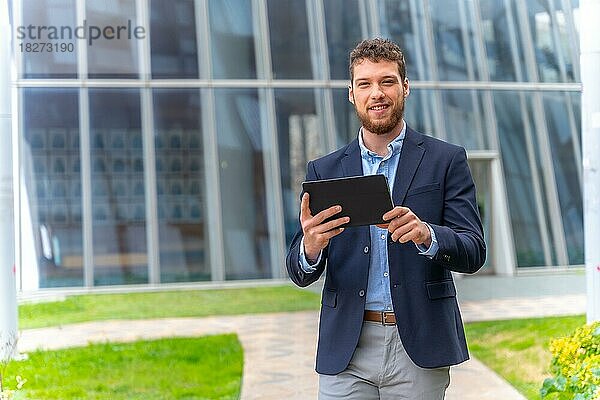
<point x="363" y="198"/>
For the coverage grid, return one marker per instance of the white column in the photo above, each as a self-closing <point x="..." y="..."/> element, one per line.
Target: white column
<point x="8" y="290"/>
<point x="590" y="126"/>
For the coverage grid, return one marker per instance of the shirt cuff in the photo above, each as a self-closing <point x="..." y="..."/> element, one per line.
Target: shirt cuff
<point x="304" y="264"/>
<point x="433" y="247"/>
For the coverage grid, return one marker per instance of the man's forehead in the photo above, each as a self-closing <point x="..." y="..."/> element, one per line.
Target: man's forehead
<point x="366" y="68"/>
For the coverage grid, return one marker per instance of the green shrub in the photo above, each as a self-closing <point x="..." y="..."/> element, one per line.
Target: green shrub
<point x="575" y="366"/>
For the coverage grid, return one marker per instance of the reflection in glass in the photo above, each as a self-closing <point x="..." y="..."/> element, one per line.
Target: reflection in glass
<point x="520" y="187"/>
<point x="404" y="24"/>
<point x="418" y="111"/>
<point x="547" y="23"/>
<point x="116" y="57"/>
<point x="300" y="139"/>
<point x="43" y="64"/>
<point x="498" y="24"/>
<point x="346" y="121"/>
<point x="242" y="184"/>
<point x="451" y="28"/>
<point x="182" y="230"/>
<point x="118" y="201"/>
<point x="173" y="39"/>
<point x="51" y="235"/>
<point x="289" y="38"/>
<point x="566" y="171"/>
<point x="342" y="20"/>
<point x="464" y="118"/>
<point x="232" y="39"/>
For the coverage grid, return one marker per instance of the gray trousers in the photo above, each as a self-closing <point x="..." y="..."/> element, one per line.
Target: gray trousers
<point x="381" y="369"/>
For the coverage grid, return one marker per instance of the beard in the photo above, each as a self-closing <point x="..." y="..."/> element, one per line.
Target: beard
<point x="382" y="126"/>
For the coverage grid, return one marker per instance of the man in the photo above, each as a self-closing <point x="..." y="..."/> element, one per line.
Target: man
<point x="390" y="326"/>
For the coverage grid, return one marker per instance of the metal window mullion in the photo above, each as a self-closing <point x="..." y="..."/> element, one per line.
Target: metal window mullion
<point x="427" y="118"/>
<point x="373" y="18"/>
<point x="481" y="60"/>
<point x="151" y="200"/>
<point x="149" y="155"/>
<point x="212" y="188"/>
<point x="82" y="60"/>
<point x="488" y="103"/>
<point x="314" y="41"/>
<point x="85" y="152"/>
<point x="325" y="101"/>
<point x="363" y="17"/>
<point x="86" y="187"/>
<point x="260" y="29"/>
<point x="465" y="40"/>
<point x="18" y="184"/>
<point x="512" y="34"/>
<point x="573" y="38"/>
<point x="269" y="137"/>
<point x="289" y="83"/>
<point x="554" y="27"/>
<point x="438" y="119"/>
<point x="143" y="46"/>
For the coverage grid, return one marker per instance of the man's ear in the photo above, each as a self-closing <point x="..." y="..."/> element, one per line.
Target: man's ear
<point x="350" y="94"/>
<point x="406" y="88"/>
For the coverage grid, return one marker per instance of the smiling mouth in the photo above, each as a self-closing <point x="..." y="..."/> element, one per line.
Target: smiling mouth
<point x="379" y="107"/>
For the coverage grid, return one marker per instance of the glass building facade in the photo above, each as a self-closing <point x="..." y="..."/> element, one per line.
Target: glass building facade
<point x="177" y="156"/>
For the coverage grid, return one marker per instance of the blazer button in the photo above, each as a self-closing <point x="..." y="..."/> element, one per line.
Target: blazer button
<point x="366" y="249"/>
<point x="361" y="293"/>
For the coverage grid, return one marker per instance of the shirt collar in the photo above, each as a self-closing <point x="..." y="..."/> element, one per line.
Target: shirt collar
<point x="393" y="147"/>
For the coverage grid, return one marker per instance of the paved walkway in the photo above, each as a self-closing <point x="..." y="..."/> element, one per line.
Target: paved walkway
<point x="279" y="349"/>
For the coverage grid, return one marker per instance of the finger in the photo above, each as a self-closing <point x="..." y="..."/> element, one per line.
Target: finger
<point x="304" y="208"/>
<point x="395" y="212"/>
<point x="323" y="215"/>
<point x="413" y="235"/>
<point x="399" y="232"/>
<point x="335" y="223"/>
<point x="332" y="233"/>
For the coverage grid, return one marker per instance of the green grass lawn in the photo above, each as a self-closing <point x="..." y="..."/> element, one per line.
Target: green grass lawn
<point x="209" y="367"/>
<point x="182" y="303"/>
<point x="515" y="349"/>
<point x="518" y="349"/>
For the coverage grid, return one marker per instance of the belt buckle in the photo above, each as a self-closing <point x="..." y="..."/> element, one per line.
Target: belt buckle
<point x="384" y="318"/>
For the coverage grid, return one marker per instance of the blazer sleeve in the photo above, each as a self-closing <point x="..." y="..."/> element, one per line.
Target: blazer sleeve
<point x="460" y="237"/>
<point x="292" y="260"/>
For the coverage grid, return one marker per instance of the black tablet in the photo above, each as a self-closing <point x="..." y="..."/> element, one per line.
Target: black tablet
<point x="363" y="198"/>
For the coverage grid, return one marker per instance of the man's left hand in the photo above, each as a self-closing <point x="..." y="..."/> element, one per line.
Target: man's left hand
<point x="404" y="225"/>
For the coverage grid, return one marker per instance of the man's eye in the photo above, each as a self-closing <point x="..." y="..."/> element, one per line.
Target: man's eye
<point x="363" y="84"/>
<point x="388" y="82"/>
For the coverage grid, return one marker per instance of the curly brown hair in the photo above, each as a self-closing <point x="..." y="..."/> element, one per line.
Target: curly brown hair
<point x="375" y="50"/>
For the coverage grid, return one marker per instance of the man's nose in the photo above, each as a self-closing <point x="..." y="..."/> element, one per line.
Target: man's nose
<point x="376" y="92"/>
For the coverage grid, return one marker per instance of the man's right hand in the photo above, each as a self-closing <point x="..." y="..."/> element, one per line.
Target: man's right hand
<point x="316" y="233"/>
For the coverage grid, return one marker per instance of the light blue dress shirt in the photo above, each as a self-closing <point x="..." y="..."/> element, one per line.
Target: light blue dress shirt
<point x="378" y="287"/>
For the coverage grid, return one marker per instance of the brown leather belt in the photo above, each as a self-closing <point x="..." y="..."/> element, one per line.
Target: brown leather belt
<point x="383" y="317"/>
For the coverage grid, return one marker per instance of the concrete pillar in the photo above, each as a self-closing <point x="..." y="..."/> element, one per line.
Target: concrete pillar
<point x="590" y="135"/>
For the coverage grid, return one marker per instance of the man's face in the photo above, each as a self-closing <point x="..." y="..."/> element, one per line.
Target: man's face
<point x="378" y="92"/>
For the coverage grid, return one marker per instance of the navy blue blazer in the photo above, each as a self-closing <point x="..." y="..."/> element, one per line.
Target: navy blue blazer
<point x="433" y="179"/>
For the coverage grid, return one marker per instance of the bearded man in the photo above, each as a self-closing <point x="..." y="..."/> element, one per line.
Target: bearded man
<point x="390" y="325"/>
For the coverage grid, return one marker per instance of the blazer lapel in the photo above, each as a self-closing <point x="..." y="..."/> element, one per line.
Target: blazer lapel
<point x="410" y="158"/>
<point x="352" y="163"/>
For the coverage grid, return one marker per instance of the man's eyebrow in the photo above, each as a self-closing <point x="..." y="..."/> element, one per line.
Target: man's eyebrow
<point x="375" y="78"/>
